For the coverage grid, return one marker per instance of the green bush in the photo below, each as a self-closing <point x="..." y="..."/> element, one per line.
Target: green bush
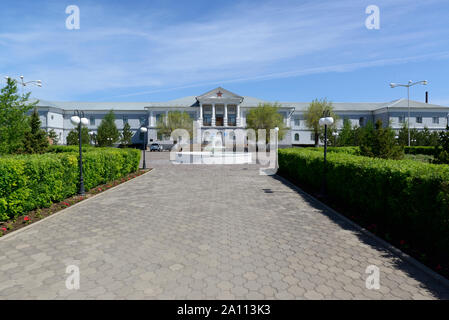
<point x="346" y="150"/>
<point x="33" y="181"/>
<point x="406" y="198"/>
<point x="427" y="150"/>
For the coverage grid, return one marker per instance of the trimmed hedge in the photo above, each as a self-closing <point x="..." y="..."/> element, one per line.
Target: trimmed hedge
<point x="347" y="150"/>
<point x="407" y="199"/>
<point x="34" y="181"/>
<point x="427" y="150"/>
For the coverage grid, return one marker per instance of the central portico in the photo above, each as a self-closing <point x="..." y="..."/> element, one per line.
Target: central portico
<point x="219" y="108"/>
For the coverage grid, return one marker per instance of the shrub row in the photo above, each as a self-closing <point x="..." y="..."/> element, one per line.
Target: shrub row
<point x="34" y="181"/>
<point x="346" y="150"/>
<point x="406" y="198"/>
<point x="427" y="150"/>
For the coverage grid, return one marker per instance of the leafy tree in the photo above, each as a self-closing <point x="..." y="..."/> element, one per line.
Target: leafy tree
<point x="126" y="135"/>
<point x="175" y="120"/>
<point x="13" y="117"/>
<point x="346" y="136"/>
<point x="53" y="136"/>
<point x="266" y="116"/>
<point x="35" y="140"/>
<point x="316" y="110"/>
<point x="379" y="142"/>
<point x="443" y="140"/>
<point x="72" y="137"/>
<point x="107" y="133"/>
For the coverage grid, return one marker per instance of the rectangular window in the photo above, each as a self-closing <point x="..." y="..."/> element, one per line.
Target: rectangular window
<point x="418" y="119"/>
<point x="207" y="115"/>
<point x="142" y="120"/>
<point x="435" y="120"/>
<point x="125" y="119"/>
<point x="297" y="121"/>
<point x="232" y="119"/>
<point x="361" y="121"/>
<point x="92" y="121"/>
<point x="401" y="119"/>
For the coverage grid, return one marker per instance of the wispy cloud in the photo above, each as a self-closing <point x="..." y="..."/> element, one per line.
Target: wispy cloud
<point x="139" y="53"/>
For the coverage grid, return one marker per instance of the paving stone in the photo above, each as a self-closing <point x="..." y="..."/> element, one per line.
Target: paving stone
<point x="223" y="238"/>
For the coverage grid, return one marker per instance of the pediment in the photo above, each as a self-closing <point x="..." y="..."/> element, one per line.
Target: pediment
<point x="219" y="94"/>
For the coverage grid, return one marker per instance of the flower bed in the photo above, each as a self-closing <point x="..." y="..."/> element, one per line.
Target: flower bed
<point x="400" y="200"/>
<point x="41" y="213"/>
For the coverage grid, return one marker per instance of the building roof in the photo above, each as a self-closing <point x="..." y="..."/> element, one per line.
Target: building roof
<point x="192" y="101"/>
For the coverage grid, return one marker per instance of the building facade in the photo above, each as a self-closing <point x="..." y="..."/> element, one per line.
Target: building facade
<point x="222" y="110"/>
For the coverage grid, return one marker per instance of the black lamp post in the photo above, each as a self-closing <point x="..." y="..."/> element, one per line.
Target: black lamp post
<point x="326" y="120"/>
<point x="144" y="130"/>
<point x="79" y="120"/>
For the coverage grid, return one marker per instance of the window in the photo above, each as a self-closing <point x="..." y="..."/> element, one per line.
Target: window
<point x="418" y="119"/>
<point x="296" y="121"/>
<point x="361" y="121"/>
<point x="401" y="119"/>
<point x="296" y="136"/>
<point x="232" y="120"/>
<point x="92" y="121"/>
<point x="52" y="117"/>
<point x="435" y="120"/>
<point x="125" y="119"/>
<point x="142" y="120"/>
<point x="207" y="115"/>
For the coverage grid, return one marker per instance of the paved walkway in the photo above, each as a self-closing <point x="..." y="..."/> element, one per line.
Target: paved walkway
<point x="202" y="232"/>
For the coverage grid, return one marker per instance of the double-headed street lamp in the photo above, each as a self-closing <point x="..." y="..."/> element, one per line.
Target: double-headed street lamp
<point x="325" y="121"/>
<point x="408" y="85"/>
<point x="79" y="120"/>
<point x="144" y="130"/>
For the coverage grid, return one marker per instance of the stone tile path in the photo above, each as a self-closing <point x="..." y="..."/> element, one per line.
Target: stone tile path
<point x="202" y="232"/>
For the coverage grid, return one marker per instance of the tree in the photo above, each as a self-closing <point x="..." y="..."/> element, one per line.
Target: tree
<point x="379" y="142"/>
<point x="72" y="137"/>
<point x="346" y="134"/>
<point x="107" y="133"/>
<point x="316" y="110"/>
<point x="442" y="155"/>
<point x="13" y="117"/>
<point x="53" y="136"/>
<point x="127" y="134"/>
<point x="266" y="116"/>
<point x="35" y="140"/>
<point x="175" y="120"/>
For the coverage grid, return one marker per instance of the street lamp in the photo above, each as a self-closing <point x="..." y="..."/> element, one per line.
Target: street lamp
<point x="276" y="129"/>
<point x="408" y="85"/>
<point x="24" y="84"/>
<point x="79" y="120"/>
<point x="144" y="130"/>
<point x="325" y="121"/>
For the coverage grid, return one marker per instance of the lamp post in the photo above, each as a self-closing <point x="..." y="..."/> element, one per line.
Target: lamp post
<point x="79" y="120"/>
<point x="325" y="121"/>
<point x="144" y="130"/>
<point x="24" y="84"/>
<point x="276" y="129"/>
<point x="408" y="85"/>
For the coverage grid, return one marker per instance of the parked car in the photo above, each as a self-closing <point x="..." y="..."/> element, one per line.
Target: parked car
<point x="156" y="147"/>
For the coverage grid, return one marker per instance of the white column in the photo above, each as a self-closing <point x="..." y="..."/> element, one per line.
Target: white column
<point x="225" y="118"/>
<point x="151" y="119"/>
<point x="238" y="116"/>
<point x="213" y="115"/>
<point x="201" y="114"/>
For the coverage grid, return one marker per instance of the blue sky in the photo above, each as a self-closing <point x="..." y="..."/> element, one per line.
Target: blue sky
<point x="275" y="50"/>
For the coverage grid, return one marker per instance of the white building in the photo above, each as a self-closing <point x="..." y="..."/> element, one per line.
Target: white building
<point x="222" y="110"/>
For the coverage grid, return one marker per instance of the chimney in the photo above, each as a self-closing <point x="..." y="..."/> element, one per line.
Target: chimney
<point x="427" y="96"/>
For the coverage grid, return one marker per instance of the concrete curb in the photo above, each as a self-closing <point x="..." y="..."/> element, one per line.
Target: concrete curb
<point x="385" y="244"/>
<point x="68" y="208"/>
